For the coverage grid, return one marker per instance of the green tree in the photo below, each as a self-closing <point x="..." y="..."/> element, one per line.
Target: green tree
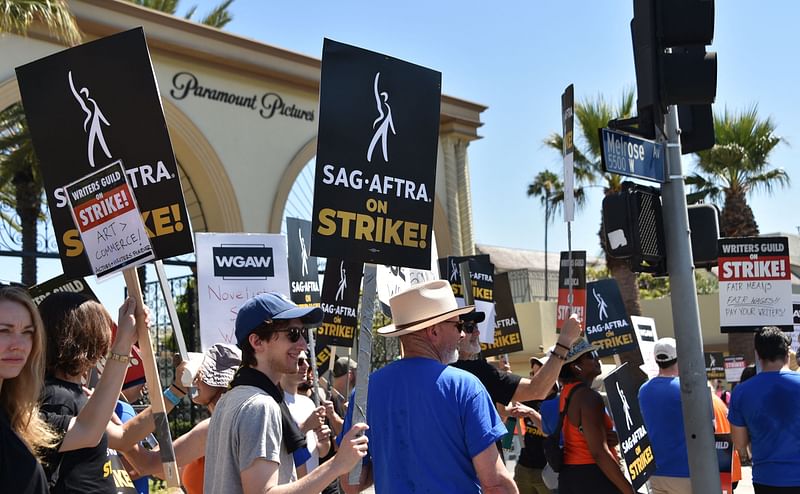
<point x="16" y="17"/>
<point x="591" y="115"/>
<point x="218" y="17"/>
<point x="735" y="167"/>
<point x="21" y="184"/>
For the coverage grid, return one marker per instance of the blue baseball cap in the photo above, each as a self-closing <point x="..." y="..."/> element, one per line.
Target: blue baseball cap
<point x="271" y="306"/>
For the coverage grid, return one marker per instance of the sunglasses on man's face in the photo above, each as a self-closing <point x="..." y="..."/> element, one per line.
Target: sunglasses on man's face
<point x="294" y="333"/>
<point x="466" y="326"/>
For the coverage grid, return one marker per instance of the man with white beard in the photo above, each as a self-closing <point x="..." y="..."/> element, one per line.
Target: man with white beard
<point x="432" y="426"/>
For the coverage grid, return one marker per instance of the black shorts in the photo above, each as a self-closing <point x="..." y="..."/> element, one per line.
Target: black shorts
<point x="580" y="479"/>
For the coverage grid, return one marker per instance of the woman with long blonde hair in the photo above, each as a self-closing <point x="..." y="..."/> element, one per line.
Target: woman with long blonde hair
<point x="23" y="434"/>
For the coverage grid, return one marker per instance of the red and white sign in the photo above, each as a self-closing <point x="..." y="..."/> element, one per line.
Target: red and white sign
<point x="110" y="224"/>
<point x="755" y="284"/>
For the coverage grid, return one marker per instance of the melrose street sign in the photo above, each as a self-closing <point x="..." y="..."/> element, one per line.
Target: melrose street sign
<point x="626" y="154"/>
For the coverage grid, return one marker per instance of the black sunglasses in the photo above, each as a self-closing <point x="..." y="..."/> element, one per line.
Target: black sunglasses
<point x="295" y="333"/>
<point x="466" y="326"/>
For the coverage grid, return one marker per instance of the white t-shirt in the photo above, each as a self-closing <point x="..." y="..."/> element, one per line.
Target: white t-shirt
<point x="301" y="407"/>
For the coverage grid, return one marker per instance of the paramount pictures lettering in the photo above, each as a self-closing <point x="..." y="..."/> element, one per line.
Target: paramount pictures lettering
<point x="269" y="104"/>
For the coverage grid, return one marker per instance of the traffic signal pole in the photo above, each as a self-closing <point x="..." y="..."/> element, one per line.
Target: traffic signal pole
<point x="695" y="394"/>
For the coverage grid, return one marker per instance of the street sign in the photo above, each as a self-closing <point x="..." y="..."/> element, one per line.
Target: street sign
<point x="626" y="154"/>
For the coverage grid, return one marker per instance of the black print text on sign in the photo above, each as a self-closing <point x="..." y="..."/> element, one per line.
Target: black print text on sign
<point x="268" y="104"/>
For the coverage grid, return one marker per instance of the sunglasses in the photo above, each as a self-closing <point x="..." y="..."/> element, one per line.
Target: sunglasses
<point x="295" y="333"/>
<point x="465" y="326"/>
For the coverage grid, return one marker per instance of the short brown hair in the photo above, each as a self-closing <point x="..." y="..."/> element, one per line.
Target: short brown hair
<point x="78" y="332"/>
<point x="265" y="331"/>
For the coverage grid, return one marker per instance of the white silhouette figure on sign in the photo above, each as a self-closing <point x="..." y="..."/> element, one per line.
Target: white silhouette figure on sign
<point x="712" y="361"/>
<point x="625" y="407"/>
<point x="342" y="282"/>
<point x="601" y="305"/>
<point x="386" y="123"/>
<point x="93" y="124"/>
<point x="303" y="253"/>
<point x="453" y="271"/>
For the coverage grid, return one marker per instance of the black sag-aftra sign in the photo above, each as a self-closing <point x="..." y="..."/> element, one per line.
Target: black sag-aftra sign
<point x="93" y="105"/>
<point x="376" y="158"/>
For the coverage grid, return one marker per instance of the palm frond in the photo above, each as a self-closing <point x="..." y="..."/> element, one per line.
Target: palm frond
<point x="16" y="17"/>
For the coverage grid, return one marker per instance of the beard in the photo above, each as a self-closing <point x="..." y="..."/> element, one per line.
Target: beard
<point x="450" y="356"/>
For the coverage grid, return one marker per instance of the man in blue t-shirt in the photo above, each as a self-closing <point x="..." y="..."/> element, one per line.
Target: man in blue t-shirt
<point x="432" y="426"/>
<point x="660" y="402"/>
<point x="765" y="413"/>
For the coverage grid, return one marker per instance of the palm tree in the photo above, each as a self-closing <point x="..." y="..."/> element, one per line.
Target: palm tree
<point x="21" y="181"/>
<point x="736" y="166"/>
<point x="218" y="17"/>
<point x="16" y="16"/>
<point x="591" y="116"/>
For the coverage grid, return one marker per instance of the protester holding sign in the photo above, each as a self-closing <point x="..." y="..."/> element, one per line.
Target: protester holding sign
<point x="271" y="332"/>
<point x="765" y="412"/>
<point x="23" y="434"/>
<point x="590" y="463"/>
<point x="433" y="427"/>
<point x="78" y="335"/>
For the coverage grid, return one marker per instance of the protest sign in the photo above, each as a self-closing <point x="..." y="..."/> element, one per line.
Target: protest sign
<point x="645" y="331"/>
<point x="97" y="104"/>
<point x="110" y="225"/>
<point x="577" y="305"/>
<point x="568" y="149"/>
<point x="622" y="390"/>
<point x="507" y="336"/>
<point x="715" y="368"/>
<point x="340" y="290"/>
<point x="303" y="270"/>
<point x="723" y="444"/>
<point x="734" y="365"/>
<point x="376" y="158"/>
<point x="607" y="323"/>
<point x="231" y="269"/>
<point x="481" y="272"/>
<point x="755" y="284"/>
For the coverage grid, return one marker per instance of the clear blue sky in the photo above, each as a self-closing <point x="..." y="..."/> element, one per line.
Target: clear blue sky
<point x="517" y="57"/>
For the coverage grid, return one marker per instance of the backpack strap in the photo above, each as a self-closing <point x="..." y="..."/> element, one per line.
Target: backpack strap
<point x="563" y="413"/>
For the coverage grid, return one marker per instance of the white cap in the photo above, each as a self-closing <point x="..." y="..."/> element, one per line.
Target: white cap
<point x="664" y="350"/>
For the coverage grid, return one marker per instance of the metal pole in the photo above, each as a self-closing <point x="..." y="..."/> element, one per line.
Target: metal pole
<point x="364" y="361"/>
<point x="546" y="221"/>
<point x="695" y="395"/>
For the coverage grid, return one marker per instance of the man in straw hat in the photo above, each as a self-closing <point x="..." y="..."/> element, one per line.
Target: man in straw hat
<point x="432" y="426"/>
<point x="252" y="434"/>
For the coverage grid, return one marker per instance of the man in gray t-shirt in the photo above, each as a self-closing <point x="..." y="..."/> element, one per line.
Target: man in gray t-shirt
<point x="248" y="448"/>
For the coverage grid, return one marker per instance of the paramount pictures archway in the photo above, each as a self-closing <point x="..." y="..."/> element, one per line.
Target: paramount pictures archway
<point x="242" y="119"/>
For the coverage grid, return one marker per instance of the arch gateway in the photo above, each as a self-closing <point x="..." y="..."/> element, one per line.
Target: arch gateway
<point x="242" y="117"/>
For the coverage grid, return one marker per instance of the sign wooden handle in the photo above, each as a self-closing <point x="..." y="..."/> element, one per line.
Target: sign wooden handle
<point x="153" y="382"/>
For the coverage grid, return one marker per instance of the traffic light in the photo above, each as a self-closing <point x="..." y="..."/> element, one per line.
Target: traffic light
<point x="633" y="228"/>
<point x="673" y="67"/>
<point x="704" y="225"/>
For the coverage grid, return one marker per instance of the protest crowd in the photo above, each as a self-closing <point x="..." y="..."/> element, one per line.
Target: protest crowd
<point x="265" y="433"/>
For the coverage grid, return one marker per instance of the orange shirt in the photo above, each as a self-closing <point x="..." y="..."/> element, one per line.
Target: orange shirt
<point x="722" y="426"/>
<point x="192" y="476"/>
<point x="576" y="450"/>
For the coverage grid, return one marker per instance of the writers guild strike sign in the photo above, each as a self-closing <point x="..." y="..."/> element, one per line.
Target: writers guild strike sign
<point x="482" y="273"/>
<point x="734" y="366"/>
<point x="623" y="399"/>
<point x="755" y="284"/>
<point x="303" y="271"/>
<point x="231" y="269"/>
<point x="108" y="220"/>
<point x="578" y="282"/>
<point x="607" y="322"/>
<point x="97" y="104"/>
<point x="62" y="283"/>
<point x="715" y="365"/>
<point x="507" y="337"/>
<point x="567" y="125"/>
<point x="376" y="158"/>
<point x="340" y="290"/>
